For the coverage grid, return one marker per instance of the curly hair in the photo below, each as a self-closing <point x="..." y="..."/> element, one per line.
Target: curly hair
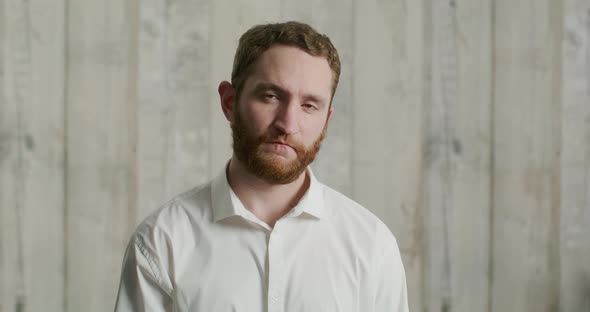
<point x="256" y="40"/>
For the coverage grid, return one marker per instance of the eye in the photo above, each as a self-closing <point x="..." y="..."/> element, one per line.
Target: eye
<point x="270" y="96"/>
<point x="308" y="106"/>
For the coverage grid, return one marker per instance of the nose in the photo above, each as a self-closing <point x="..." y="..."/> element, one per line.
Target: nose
<point x="287" y="118"/>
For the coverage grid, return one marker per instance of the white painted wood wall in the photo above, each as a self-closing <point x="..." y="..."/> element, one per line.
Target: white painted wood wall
<point x="463" y="124"/>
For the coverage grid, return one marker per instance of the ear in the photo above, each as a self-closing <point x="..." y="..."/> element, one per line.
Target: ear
<point x="227" y="96"/>
<point x="330" y="111"/>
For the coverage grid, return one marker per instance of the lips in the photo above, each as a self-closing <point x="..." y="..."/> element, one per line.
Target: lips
<point x="282" y="143"/>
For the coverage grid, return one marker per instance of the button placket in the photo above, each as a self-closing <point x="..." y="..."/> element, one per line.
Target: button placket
<point x="275" y="272"/>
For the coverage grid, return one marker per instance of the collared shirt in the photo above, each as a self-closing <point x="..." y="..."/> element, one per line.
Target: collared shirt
<point x="204" y="251"/>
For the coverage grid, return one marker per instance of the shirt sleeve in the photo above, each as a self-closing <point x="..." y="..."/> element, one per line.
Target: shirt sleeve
<point x="141" y="288"/>
<point x="391" y="292"/>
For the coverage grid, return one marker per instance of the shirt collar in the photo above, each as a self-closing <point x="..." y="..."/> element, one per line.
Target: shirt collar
<point x="312" y="202"/>
<point x="225" y="203"/>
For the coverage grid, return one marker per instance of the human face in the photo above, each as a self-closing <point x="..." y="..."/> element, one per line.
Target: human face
<point x="282" y="114"/>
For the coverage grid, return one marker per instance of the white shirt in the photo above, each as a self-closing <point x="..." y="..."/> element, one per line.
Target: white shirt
<point x="204" y="251"/>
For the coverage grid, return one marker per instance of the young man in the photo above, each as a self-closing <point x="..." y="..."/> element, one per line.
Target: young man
<point x="266" y="235"/>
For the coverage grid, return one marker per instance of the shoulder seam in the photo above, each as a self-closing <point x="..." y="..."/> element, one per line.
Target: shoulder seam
<point x="152" y="263"/>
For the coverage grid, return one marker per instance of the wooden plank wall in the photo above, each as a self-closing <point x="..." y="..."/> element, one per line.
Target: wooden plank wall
<point x="574" y="242"/>
<point x="458" y="157"/>
<point x="463" y="124"/>
<point x="32" y="153"/>
<point x="100" y="162"/>
<point x="526" y="189"/>
<point x="389" y="92"/>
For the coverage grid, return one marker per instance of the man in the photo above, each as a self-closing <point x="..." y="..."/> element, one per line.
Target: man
<point x="266" y="235"/>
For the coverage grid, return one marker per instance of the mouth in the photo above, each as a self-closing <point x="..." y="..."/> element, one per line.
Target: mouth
<point x="280" y="142"/>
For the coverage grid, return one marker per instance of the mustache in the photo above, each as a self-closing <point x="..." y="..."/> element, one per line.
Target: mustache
<point x="283" y="139"/>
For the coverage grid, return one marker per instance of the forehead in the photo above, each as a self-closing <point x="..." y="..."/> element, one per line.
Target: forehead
<point x="293" y="70"/>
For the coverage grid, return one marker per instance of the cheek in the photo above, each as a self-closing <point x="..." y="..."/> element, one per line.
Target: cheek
<point x="256" y="121"/>
<point x="314" y="131"/>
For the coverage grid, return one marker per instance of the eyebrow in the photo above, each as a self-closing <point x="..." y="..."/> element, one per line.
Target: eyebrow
<point x="265" y="86"/>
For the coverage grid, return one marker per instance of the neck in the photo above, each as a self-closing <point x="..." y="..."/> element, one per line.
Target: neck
<point x="267" y="201"/>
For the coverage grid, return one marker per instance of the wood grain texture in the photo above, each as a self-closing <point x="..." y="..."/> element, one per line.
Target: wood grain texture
<point x="101" y="143"/>
<point x="575" y="159"/>
<point x="333" y="165"/>
<point x="526" y="156"/>
<point x="173" y="110"/>
<point x="464" y="125"/>
<point x="458" y="168"/>
<point x="11" y="262"/>
<point x="387" y="127"/>
<point x="32" y="156"/>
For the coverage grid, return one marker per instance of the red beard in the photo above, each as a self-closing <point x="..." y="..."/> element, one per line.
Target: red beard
<point x="247" y="148"/>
